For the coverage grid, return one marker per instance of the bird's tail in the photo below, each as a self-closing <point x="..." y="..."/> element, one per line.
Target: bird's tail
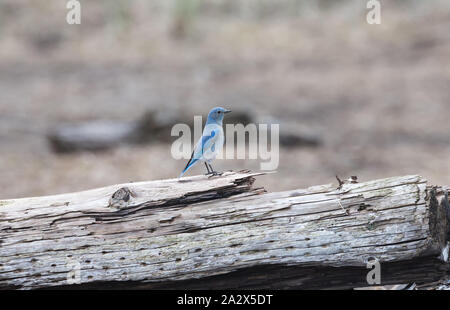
<point x="188" y="166"/>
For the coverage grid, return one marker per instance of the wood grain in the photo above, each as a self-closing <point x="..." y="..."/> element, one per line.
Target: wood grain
<point x="160" y="233"/>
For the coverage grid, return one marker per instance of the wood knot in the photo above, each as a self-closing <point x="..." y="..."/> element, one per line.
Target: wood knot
<point x="121" y="198"/>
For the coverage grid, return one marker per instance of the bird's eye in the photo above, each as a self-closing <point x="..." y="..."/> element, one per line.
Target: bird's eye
<point x="219" y="112"/>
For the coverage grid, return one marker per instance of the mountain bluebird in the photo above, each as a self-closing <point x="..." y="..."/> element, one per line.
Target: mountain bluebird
<point x="211" y="142"/>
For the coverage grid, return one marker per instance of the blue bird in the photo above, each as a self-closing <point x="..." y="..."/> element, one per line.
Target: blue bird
<point x="211" y="142"/>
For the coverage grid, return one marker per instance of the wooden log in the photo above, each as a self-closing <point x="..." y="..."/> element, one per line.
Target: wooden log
<point x="220" y="232"/>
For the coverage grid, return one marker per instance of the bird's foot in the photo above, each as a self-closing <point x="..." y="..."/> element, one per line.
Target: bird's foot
<point x="215" y="173"/>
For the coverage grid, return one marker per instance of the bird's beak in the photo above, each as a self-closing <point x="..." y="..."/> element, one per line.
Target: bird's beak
<point x="227" y="111"/>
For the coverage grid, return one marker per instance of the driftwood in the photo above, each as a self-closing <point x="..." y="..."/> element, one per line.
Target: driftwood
<point x="222" y="232"/>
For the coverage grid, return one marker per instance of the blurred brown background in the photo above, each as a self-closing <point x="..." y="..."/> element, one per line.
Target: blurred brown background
<point x="378" y="96"/>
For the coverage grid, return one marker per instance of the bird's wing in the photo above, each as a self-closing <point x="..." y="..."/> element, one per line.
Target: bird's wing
<point x="203" y="145"/>
<point x="208" y="140"/>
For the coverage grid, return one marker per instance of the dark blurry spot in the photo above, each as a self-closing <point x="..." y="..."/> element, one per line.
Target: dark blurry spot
<point x="46" y="40"/>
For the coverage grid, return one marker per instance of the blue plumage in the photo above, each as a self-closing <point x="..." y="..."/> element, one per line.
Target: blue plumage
<point x="211" y="142"/>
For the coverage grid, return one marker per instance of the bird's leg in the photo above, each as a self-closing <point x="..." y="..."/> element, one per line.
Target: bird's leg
<point x="207" y="168"/>
<point x="213" y="173"/>
<point x="211" y="168"/>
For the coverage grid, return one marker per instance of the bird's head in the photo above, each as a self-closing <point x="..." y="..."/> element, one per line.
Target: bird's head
<point x="217" y="114"/>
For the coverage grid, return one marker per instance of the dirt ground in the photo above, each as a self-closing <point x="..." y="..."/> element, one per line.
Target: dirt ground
<point x="377" y="95"/>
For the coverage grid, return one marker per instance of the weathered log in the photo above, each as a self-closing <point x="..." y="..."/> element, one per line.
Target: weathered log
<point x="220" y="232"/>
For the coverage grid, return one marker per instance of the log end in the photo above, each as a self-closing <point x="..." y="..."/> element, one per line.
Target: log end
<point x="438" y="201"/>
